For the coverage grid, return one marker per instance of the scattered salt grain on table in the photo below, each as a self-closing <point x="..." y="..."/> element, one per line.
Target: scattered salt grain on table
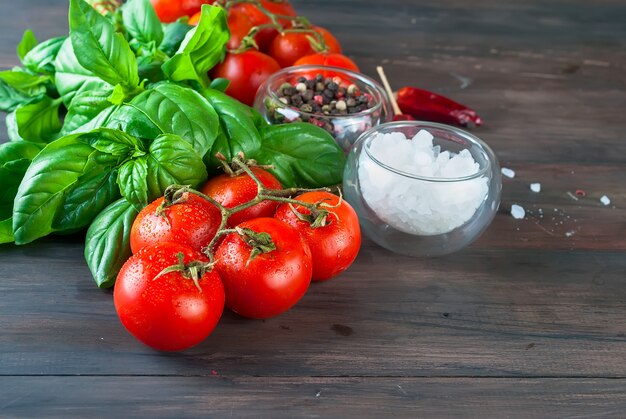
<point x="412" y="204"/>
<point x="518" y="212"/>
<point x="605" y="200"/>
<point x="535" y="187"/>
<point x="510" y="173"/>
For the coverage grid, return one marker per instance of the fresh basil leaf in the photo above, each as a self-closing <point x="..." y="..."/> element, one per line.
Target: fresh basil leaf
<point x="133" y="121"/>
<point x="15" y="157"/>
<point x="94" y="190"/>
<point x="142" y="22"/>
<point x="219" y="84"/>
<point x="132" y="181"/>
<point x="39" y="121"/>
<point x="24" y="82"/>
<point x="11" y="98"/>
<point x="6" y="231"/>
<point x="84" y="107"/>
<point x="203" y="47"/>
<point x="99" y="48"/>
<point x="28" y="42"/>
<point x="18" y="88"/>
<point x="71" y="78"/>
<point x="99" y="121"/>
<point x="41" y="194"/>
<point x="178" y="110"/>
<point x="97" y="187"/>
<point x="301" y="155"/>
<point x="259" y="122"/>
<point x="113" y="142"/>
<point x="172" y="160"/>
<point x="149" y="69"/>
<point x="11" y="124"/>
<point x="117" y="96"/>
<point x="107" y="244"/>
<point x="238" y="133"/>
<point x="173" y="35"/>
<point x="41" y="58"/>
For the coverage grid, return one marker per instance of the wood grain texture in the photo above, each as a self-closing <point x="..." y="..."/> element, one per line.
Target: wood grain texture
<point x="257" y="397"/>
<point x="528" y="321"/>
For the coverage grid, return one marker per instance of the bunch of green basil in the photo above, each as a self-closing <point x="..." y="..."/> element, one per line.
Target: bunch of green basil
<point x="102" y="121"/>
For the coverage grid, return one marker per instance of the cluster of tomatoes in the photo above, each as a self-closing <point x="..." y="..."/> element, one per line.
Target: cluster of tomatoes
<point x="281" y="39"/>
<point x="171" y="292"/>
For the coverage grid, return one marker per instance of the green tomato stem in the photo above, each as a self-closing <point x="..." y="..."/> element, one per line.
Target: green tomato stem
<point x="176" y="192"/>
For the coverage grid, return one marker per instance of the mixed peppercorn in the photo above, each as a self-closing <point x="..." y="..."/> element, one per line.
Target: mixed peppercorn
<point x="317" y="100"/>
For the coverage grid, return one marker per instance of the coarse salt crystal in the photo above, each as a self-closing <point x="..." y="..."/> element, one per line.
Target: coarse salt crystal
<point x="517" y="212"/>
<point x="510" y="173"/>
<point x="535" y="187"/>
<point x="423" y="139"/>
<point x="605" y="200"/>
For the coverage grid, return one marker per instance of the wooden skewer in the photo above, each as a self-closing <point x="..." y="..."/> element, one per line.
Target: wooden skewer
<point x="392" y="98"/>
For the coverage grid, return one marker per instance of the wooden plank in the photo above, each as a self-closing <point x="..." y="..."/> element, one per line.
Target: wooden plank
<point x="244" y="397"/>
<point x="476" y="313"/>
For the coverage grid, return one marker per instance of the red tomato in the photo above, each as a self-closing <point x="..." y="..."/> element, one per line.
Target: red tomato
<point x="231" y="191"/>
<point x="333" y="60"/>
<point x="333" y="246"/>
<point x="193" y="20"/>
<point x="246" y="72"/>
<point x="168" y="313"/>
<point x="331" y="42"/>
<point x="279" y="7"/>
<point x="256" y="17"/>
<point x="192" y="222"/>
<point x="272" y="282"/>
<point x="171" y="10"/>
<point x="289" y="47"/>
<point x="238" y="22"/>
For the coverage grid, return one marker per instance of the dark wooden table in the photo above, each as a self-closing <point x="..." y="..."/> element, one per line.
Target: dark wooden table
<point x="528" y="321"/>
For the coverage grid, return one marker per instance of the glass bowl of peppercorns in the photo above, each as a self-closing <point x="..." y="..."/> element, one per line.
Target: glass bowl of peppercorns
<point x="342" y="102"/>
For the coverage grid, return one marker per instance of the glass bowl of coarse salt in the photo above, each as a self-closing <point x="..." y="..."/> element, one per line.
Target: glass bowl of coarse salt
<point x="422" y="188"/>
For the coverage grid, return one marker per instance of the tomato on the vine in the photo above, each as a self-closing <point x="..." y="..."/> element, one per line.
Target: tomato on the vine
<point x="242" y="17"/>
<point x="246" y="71"/>
<point x="170" y="312"/>
<point x="260" y="282"/>
<point x="256" y="17"/>
<point x="329" y="39"/>
<point x="192" y="221"/>
<point x="232" y="191"/>
<point x="291" y="45"/>
<point x="335" y="244"/>
<point x="170" y="10"/>
<point x="332" y="60"/>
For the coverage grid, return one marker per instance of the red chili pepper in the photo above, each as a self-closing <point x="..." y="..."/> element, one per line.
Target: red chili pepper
<point x="429" y="106"/>
<point x="403" y="117"/>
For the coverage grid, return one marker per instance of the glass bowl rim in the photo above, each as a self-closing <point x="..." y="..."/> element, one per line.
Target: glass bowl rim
<point x="359" y="76"/>
<point x="426" y="124"/>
